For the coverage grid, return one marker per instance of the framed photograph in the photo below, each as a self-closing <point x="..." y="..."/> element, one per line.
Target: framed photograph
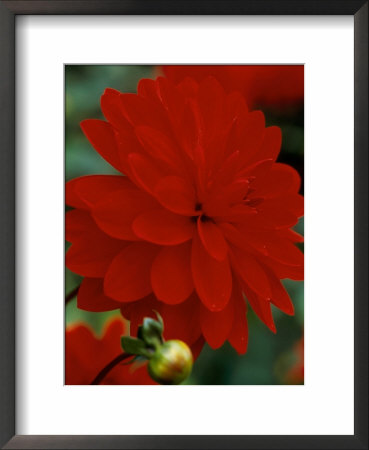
<point x="184" y="224"/>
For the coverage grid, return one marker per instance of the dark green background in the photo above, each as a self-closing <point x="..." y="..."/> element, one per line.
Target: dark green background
<point x="269" y="356"/>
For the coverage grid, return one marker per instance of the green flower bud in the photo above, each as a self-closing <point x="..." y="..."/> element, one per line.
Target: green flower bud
<point x="171" y="363"/>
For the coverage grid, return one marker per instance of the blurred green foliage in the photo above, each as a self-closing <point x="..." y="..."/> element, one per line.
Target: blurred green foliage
<point x="265" y="360"/>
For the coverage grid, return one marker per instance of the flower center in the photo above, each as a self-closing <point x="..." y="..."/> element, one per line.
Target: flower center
<point x="205" y="218"/>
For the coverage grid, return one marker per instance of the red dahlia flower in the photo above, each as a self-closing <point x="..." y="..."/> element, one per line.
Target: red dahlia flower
<point x="202" y="216"/>
<point x="86" y="355"/>
<point x="271" y="86"/>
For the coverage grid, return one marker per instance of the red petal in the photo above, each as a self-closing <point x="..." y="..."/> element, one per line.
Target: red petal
<point x="77" y="222"/>
<point x="258" y="170"/>
<point x="212" y="239"/>
<point x="261" y="307"/>
<point x="89" y="259"/>
<point x="292" y="202"/>
<point x="80" y="359"/>
<point x="136" y="109"/>
<point x="273" y="217"/>
<point x="236" y="236"/>
<point x="92" y="251"/>
<point x="128" y="277"/>
<point x="127" y="143"/>
<point x="211" y="98"/>
<point x="147" y="89"/>
<point x="229" y="168"/>
<point x="271" y="145"/>
<point x="101" y="136"/>
<point x="235" y="192"/>
<point x="238" y="336"/>
<point x="270" y="244"/>
<point x="159" y="146"/>
<point x="251" y="130"/>
<point x="91" y="296"/>
<point x="292" y="235"/>
<point x="144" y="172"/>
<point x="161" y="226"/>
<point x="140" y="111"/>
<point x="235" y="105"/>
<point x="212" y="278"/>
<point x="117" y="211"/>
<point x="71" y="196"/>
<point x="238" y="213"/>
<point x="177" y="195"/>
<point x="171" y="276"/>
<point x="285" y="252"/>
<point x="269" y="218"/>
<point x="280" y="297"/>
<point x="111" y="107"/>
<point x="196" y="347"/>
<point x="251" y="272"/>
<point x="187" y="132"/>
<point x="216" y="326"/>
<point x="172" y="100"/>
<point x="188" y="87"/>
<point x="284" y="271"/>
<point x="88" y="190"/>
<point x="182" y="321"/>
<point x="281" y="179"/>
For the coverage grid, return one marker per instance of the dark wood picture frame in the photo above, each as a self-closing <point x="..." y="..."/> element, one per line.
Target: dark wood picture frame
<point x="8" y="12"/>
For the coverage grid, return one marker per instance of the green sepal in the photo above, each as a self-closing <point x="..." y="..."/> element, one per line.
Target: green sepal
<point x="133" y="346"/>
<point x="152" y="332"/>
<point x="160" y="319"/>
